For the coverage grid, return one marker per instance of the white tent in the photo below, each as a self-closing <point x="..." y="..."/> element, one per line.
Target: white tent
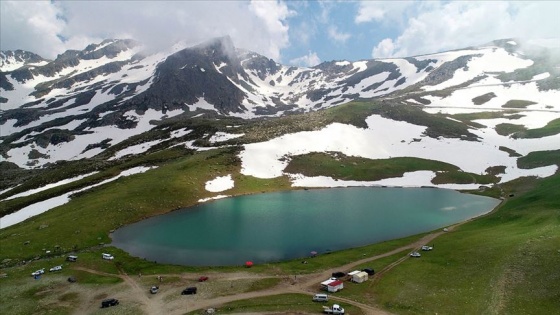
<point x="359" y="276"/>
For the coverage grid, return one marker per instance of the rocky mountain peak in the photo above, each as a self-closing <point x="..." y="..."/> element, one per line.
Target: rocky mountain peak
<point x="13" y="59"/>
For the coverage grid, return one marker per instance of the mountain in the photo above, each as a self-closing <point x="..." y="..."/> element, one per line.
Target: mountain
<point x="88" y="102"/>
<point x="13" y="60"/>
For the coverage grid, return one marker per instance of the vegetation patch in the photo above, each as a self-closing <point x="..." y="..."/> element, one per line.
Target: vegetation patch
<point x="460" y="177"/>
<point x="551" y="129"/>
<point x="511" y="152"/>
<point x="517" y="104"/>
<point x="340" y="166"/>
<point x="484" y="98"/>
<point x="509" y="129"/>
<point x="496" y="170"/>
<point x="539" y="159"/>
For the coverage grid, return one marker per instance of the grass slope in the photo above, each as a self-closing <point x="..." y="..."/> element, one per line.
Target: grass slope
<point x="505" y="263"/>
<point x="342" y="167"/>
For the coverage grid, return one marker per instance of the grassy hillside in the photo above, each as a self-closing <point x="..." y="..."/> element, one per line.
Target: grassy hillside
<point x="505" y="263"/>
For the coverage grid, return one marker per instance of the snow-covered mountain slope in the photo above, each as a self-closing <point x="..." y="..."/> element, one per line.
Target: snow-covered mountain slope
<point x="12" y="60"/>
<point x="84" y="102"/>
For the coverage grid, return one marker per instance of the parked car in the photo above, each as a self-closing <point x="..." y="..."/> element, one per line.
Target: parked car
<point x="338" y="274"/>
<point x="72" y="258"/>
<point x="189" y="290"/>
<point x="369" y="271"/>
<point x="107" y="256"/>
<point x="38" y="272"/>
<point x="72" y="279"/>
<point x="154" y="289"/>
<point x="426" y="247"/>
<point x="202" y="279"/>
<point x="109" y="302"/>
<point x="320" y="297"/>
<point x="415" y="254"/>
<point x="55" y="268"/>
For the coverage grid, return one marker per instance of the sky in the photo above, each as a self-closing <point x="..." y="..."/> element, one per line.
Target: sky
<point x="303" y="33"/>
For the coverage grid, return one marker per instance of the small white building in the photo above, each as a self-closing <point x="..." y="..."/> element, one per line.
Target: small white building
<point x="332" y="285"/>
<point x="358" y="276"/>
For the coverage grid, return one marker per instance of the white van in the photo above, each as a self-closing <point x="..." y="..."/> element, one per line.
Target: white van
<point x="107" y="256"/>
<point x="320" y="298"/>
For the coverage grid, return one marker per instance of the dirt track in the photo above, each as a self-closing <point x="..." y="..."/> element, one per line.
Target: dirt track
<point x="134" y="290"/>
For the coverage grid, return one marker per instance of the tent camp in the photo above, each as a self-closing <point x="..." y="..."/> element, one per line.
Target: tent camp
<point x="358" y="276"/>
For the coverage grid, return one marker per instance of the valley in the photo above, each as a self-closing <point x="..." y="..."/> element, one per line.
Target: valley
<point x="105" y="137"/>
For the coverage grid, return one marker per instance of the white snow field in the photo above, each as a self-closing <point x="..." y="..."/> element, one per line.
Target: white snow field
<point x="46" y="205"/>
<point x="220" y="183"/>
<point x="385" y="138"/>
<point x="74" y="150"/>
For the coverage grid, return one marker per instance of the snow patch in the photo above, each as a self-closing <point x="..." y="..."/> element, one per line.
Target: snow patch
<point x="541" y="76"/>
<point x="212" y="198"/>
<point x="223" y="136"/>
<point x="268" y="159"/>
<point x="220" y="184"/>
<point x="49" y="186"/>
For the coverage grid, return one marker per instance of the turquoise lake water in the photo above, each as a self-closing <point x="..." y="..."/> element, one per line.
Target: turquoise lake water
<point x="285" y="225"/>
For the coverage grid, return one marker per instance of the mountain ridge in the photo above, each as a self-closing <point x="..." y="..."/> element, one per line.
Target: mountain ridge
<point x="47" y="109"/>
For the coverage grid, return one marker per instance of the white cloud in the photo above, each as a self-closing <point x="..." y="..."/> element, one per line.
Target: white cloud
<point x="309" y="60"/>
<point x="382" y="11"/>
<point x="49" y="28"/>
<point x="449" y="25"/>
<point x="28" y="25"/>
<point x="274" y="15"/>
<point x="338" y="36"/>
<point x="384" y="48"/>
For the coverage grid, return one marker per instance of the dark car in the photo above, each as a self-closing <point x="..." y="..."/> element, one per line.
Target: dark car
<point x="189" y="290"/>
<point x="202" y="279"/>
<point x="338" y="274"/>
<point x="109" y="302"/>
<point x="369" y="271"/>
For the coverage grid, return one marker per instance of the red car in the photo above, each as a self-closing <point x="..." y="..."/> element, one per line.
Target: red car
<point x="202" y="279"/>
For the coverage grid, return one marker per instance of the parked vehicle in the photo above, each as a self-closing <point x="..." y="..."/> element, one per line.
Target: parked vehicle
<point x="154" y="289"/>
<point x="189" y="290"/>
<point x="55" y="268"/>
<point x="426" y="247"/>
<point x="369" y="271"/>
<point x="72" y="258"/>
<point x="109" y="302"/>
<point x="38" y="272"/>
<point x="320" y="298"/>
<point x="335" y="309"/>
<point x="107" y="256"/>
<point x="338" y="274"/>
<point x="202" y="279"/>
<point x="415" y="254"/>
